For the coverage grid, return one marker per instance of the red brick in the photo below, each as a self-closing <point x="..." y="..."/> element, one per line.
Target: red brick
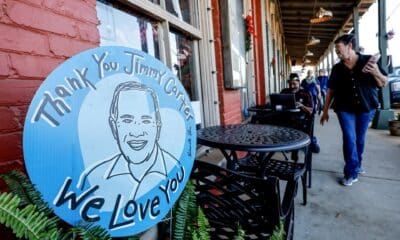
<point x="67" y="47"/>
<point x="232" y="96"/>
<point x="4" y="65"/>
<point x="230" y="107"/>
<point x="7" y="166"/>
<point x="34" y="66"/>
<point x="10" y="146"/>
<point x="89" y="32"/>
<point x="91" y="2"/>
<point x="20" y="114"/>
<point x="18" y="39"/>
<point x="33" y="2"/>
<point x="74" y="8"/>
<point x="3" y="16"/>
<point x="17" y="92"/>
<point x="233" y="118"/>
<point x="15" y="164"/>
<point x="40" y="19"/>
<point x="8" y="120"/>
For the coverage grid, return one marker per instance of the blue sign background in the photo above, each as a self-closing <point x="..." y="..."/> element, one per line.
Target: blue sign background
<point x="61" y="139"/>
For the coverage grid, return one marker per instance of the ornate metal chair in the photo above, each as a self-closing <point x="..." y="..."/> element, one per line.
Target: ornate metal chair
<point x="230" y="199"/>
<point x="291" y="171"/>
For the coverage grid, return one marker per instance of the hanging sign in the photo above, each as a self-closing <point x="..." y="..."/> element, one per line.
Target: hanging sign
<point x="110" y="139"/>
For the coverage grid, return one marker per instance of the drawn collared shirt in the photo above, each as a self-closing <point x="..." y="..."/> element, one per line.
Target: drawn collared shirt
<point x="114" y="177"/>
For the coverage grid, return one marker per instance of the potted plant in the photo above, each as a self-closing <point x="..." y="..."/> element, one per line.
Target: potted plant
<point x="29" y="217"/>
<point x="394" y="125"/>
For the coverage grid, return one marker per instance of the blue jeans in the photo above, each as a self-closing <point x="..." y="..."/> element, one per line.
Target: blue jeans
<point x="354" y="129"/>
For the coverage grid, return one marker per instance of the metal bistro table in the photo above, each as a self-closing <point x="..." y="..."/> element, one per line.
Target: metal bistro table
<point x="263" y="139"/>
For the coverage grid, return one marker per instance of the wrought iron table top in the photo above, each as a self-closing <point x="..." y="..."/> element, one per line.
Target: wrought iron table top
<point x="253" y="137"/>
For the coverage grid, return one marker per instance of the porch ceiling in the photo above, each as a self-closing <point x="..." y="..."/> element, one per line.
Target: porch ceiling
<point x="297" y="29"/>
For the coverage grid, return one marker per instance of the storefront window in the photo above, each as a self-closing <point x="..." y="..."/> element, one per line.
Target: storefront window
<point x="181" y="9"/>
<point x="134" y="24"/>
<point x="126" y="28"/>
<point x="182" y="61"/>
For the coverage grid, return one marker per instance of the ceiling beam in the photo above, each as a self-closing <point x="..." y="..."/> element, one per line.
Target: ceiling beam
<point x="310" y="4"/>
<point x="297" y="29"/>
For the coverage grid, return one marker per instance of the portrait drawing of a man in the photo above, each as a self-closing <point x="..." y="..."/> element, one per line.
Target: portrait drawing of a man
<point x="141" y="163"/>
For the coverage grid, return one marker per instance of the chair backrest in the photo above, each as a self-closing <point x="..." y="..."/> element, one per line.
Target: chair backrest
<point x="230" y="199"/>
<point x="298" y="120"/>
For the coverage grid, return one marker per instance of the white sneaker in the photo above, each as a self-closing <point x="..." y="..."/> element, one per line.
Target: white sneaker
<point x="349" y="181"/>
<point x="362" y="171"/>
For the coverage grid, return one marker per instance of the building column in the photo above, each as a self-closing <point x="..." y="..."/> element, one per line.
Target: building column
<point x="356" y="28"/>
<point x="258" y="52"/>
<point x="383" y="114"/>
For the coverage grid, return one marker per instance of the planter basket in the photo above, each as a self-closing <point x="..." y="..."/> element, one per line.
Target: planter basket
<point x="394" y="127"/>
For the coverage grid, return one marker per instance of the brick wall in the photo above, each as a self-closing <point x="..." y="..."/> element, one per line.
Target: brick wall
<point x="35" y="37"/>
<point x="229" y="100"/>
<point x="258" y="53"/>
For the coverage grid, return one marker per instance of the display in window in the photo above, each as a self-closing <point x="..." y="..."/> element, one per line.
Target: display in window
<point x="182" y="61"/>
<point x="125" y="28"/>
<point x="182" y="9"/>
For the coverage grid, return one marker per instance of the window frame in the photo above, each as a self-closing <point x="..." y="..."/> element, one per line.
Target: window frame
<point x="201" y="32"/>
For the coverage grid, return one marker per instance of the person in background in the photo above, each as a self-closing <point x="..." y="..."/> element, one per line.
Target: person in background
<point x="311" y="85"/>
<point x="322" y="81"/>
<point x="354" y="94"/>
<point x="304" y="101"/>
<point x="303" y="98"/>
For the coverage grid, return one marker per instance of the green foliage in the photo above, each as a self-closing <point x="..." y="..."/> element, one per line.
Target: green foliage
<point x="248" y="32"/>
<point x="203" y="226"/>
<point x="27" y="222"/>
<point x="24" y="211"/>
<point x="136" y="237"/>
<point x="20" y="185"/>
<point x="189" y="220"/>
<point x="28" y="216"/>
<point x="278" y="233"/>
<point x="240" y="233"/>
<point x="87" y="231"/>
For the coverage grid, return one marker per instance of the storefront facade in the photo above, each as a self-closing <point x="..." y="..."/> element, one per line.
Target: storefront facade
<point x="190" y="37"/>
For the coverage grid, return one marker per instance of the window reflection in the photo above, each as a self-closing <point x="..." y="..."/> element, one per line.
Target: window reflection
<point x="126" y="28"/>
<point x="182" y="61"/>
<point x="180" y="8"/>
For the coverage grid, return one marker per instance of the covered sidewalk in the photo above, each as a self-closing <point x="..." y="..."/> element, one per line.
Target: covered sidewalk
<point x="369" y="209"/>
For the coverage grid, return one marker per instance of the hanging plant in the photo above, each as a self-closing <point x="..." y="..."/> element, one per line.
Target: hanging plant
<point x="249" y="27"/>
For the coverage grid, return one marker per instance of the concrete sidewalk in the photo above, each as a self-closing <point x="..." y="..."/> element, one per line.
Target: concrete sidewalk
<point x="370" y="208"/>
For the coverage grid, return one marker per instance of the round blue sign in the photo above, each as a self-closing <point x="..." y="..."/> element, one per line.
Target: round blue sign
<point x="110" y="138"/>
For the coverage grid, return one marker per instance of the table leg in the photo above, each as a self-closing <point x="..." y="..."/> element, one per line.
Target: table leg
<point x="231" y="159"/>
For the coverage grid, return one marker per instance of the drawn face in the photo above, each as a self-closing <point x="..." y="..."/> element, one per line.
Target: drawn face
<point x="136" y="125"/>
